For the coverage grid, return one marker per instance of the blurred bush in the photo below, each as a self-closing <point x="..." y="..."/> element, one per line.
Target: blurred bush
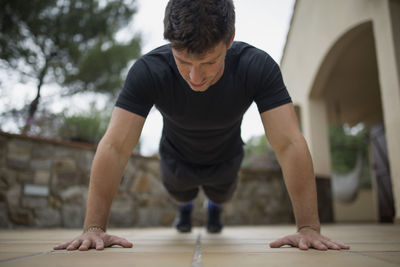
<point x="345" y="144"/>
<point x="85" y="126"/>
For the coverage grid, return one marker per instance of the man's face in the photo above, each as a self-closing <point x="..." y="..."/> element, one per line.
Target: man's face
<point x="201" y="71"/>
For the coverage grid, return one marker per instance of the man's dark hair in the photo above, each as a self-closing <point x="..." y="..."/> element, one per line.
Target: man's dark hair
<point x="199" y="25"/>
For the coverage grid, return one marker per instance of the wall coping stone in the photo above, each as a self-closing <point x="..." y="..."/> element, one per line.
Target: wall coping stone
<point x="60" y="142"/>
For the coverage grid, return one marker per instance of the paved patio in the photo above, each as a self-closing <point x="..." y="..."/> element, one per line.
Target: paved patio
<point x="371" y="245"/>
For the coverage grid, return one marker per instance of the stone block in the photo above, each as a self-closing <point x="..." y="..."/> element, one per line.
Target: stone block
<point x="41" y="164"/>
<point x="157" y="187"/>
<point x="18" y="154"/>
<point x="36" y="190"/>
<point x="153" y="166"/>
<point x="22" y="217"/>
<point x="63" y="180"/>
<point x="54" y="202"/>
<point x="72" y="216"/>
<point x="3" y="185"/>
<point x="122" y="212"/>
<point x="25" y="177"/>
<point x="126" y="182"/>
<point x="130" y="168"/>
<point x="42" y="177"/>
<point x="63" y="152"/>
<point x="141" y="183"/>
<point x="42" y="151"/>
<point x="84" y="160"/>
<point x="65" y="165"/>
<point x="13" y="196"/>
<point x="4" y="219"/>
<point x="139" y="163"/>
<point x="74" y="194"/>
<point x="167" y="218"/>
<point x="34" y="202"/>
<point x="8" y="176"/>
<point x="3" y="142"/>
<point x="18" y="163"/>
<point x="47" y="217"/>
<point x="150" y="217"/>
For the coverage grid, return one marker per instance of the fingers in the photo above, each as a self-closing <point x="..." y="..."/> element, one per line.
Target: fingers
<point x="277" y="243"/>
<point x="287" y="240"/>
<point x="99" y="244"/>
<point x="62" y="246"/>
<point x="126" y="244"/>
<point x="305" y="242"/>
<point x="114" y="240"/>
<point x="336" y="245"/>
<point x="332" y="245"/>
<point x="74" y="244"/>
<point x="86" y="244"/>
<point x="342" y="245"/>
<point x="317" y="244"/>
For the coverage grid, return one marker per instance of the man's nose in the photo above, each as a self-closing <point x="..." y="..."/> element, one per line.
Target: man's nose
<point x="196" y="75"/>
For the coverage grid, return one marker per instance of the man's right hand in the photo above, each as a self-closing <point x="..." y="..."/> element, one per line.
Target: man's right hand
<point x="97" y="240"/>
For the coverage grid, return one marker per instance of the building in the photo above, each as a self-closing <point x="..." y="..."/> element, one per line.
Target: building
<point x="341" y="64"/>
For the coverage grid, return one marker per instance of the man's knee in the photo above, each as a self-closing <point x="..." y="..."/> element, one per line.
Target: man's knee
<point x="182" y="196"/>
<point x="220" y="194"/>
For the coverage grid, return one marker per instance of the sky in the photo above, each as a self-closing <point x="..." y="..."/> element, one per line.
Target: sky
<point x="261" y="23"/>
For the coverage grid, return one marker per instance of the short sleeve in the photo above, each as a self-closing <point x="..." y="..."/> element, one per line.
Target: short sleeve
<point x="137" y="95"/>
<point x="270" y="90"/>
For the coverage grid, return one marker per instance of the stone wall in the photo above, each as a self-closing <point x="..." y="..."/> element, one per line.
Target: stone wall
<point x="43" y="184"/>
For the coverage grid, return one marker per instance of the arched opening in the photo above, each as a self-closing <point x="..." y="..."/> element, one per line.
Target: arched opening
<point x="347" y="83"/>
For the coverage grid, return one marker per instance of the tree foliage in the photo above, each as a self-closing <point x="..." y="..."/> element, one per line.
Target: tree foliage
<point x="68" y="42"/>
<point x="345" y="148"/>
<point x="84" y="126"/>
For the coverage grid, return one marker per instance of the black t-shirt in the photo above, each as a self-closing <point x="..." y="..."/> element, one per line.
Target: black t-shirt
<point x="203" y="127"/>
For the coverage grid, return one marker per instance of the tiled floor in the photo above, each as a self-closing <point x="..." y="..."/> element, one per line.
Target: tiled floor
<point x="371" y="245"/>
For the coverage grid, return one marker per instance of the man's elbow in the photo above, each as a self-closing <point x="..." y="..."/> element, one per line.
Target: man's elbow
<point x="293" y="143"/>
<point x="116" y="147"/>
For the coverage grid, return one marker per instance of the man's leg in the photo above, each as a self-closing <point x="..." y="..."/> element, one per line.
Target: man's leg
<point x="184" y="223"/>
<point x="214" y="211"/>
<point x="220" y="188"/>
<point x="217" y="195"/>
<point x="180" y="186"/>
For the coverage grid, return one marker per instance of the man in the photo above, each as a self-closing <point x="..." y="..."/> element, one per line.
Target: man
<point x="202" y="83"/>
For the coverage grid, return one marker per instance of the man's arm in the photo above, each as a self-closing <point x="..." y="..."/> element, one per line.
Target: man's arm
<point x="282" y="131"/>
<point x="109" y="162"/>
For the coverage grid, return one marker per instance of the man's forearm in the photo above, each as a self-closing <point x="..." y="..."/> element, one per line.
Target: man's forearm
<point x="297" y="168"/>
<point x="106" y="173"/>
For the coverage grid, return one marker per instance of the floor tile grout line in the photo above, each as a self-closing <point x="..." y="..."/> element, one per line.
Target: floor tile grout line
<point x="196" y="262"/>
<point x="25" y="257"/>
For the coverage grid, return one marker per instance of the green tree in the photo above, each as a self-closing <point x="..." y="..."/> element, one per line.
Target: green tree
<point x="346" y="147"/>
<point x="68" y="42"/>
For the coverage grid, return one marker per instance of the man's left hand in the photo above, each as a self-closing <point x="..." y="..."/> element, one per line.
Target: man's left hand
<point x="308" y="238"/>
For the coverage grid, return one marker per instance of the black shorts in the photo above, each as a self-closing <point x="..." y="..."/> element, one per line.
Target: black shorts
<point x="182" y="180"/>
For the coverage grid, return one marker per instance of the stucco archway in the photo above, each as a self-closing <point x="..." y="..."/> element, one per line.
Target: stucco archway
<point x="347" y="87"/>
<point x="347" y="80"/>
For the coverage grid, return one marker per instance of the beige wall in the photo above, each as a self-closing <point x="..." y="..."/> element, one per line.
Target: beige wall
<point x="320" y="34"/>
